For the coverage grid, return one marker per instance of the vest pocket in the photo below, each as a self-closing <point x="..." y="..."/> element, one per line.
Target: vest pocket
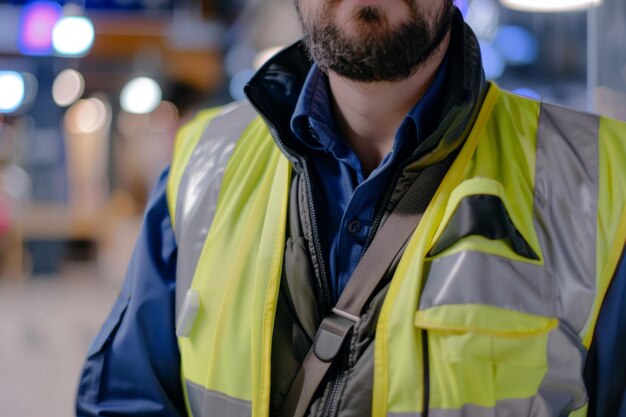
<point x="480" y="355"/>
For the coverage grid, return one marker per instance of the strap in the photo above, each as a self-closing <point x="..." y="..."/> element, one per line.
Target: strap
<point x="367" y="276"/>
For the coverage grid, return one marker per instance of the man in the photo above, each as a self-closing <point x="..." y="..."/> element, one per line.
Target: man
<point x="495" y="290"/>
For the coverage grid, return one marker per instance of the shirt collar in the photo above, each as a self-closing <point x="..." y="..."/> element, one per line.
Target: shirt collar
<point x="314" y="125"/>
<point x="313" y="112"/>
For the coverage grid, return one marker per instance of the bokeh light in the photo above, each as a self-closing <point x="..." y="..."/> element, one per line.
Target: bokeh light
<point x="463" y="6"/>
<point x="130" y="124"/>
<point x="86" y="116"/>
<point x="527" y="92"/>
<point x="163" y="118"/>
<point x="238" y="82"/>
<point x="493" y="62"/>
<point x="18" y="183"/>
<point x="68" y="87"/>
<point x="483" y="17"/>
<point x="263" y="56"/>
<point x="517" y="45"/>
<point x="12" y="91"/>
<point x="73" y="36"/>
<point x="141" y="95"/>
<point x="37" y="21"/>
<point x="31" y="87"/>
<point x="550" y="5"/>
<point x="239" y="58"/>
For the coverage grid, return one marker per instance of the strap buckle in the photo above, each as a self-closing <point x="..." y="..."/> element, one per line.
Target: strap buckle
<point x="332" y="333"/>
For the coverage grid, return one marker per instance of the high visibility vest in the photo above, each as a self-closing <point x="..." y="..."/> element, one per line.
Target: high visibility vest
<point x="493" y="305"/>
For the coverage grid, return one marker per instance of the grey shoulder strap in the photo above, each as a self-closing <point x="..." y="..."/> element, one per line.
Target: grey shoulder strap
<point x="368" y="275"/>
<point x="199" y="190"/>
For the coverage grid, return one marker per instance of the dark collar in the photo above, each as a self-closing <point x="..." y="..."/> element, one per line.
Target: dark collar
<point x="275" y="88"/>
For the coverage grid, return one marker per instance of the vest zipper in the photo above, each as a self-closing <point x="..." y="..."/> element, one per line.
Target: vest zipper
<point x="336" y="387"/>
<point x="316" y="240"/>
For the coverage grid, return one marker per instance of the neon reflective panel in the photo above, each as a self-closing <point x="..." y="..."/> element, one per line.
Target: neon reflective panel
<point x="36" y="23"/>
<point x="200" y="188"/>
<point x="12" y="91"/>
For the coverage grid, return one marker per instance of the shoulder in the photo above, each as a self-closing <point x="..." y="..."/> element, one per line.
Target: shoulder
<point x="188" y="136"/>
<point x="205" y="141"/>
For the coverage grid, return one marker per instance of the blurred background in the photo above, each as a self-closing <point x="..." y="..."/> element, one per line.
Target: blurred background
<point x="91" y="93"/>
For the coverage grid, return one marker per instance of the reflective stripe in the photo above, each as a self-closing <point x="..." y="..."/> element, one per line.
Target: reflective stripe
<point x="566" y="207"/>
<point x="195" y="396"/>
<point x="564" y="285"/>
<point x="199" y="189"/>
<point x="563" y="387"/>
<point x="513" y="407"/>
<point x="479" y="278"/>
<point x="565" y="218"/>
<point x="205" y="403"/>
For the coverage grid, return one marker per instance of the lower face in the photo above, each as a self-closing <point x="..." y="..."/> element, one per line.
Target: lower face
<point x="353" y="37"/>
<point x="365" y="17"/>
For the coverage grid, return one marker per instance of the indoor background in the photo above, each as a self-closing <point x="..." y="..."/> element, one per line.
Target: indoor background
<point x="91" y="93"/>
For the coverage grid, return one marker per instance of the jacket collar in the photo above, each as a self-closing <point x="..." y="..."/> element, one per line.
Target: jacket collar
<point x="275" y="88"/>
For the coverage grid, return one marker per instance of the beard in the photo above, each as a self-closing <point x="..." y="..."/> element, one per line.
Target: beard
<point x="379" y="51"/>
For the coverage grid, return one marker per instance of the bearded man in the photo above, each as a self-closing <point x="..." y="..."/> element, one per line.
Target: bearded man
<point x="376" y="231"/>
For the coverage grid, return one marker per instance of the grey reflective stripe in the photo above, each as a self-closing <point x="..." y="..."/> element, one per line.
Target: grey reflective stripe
<point x="565" y="218"/>
<point x="513" y="407"/>
<point x="562" y="388"/>
<point x="480" y="278"/>
<point x="566" y="207"/>
<point x="195" y="396"/>
<point x="199" y="189"/>
<point x="206" y="403"/>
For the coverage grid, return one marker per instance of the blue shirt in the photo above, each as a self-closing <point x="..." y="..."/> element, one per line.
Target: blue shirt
<point x="347" y="201"/>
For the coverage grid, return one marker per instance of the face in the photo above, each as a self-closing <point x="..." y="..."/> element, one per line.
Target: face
<point x="373" y="40"/>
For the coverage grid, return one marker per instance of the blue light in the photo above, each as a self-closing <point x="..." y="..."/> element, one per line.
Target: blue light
<point x="463" y="5"/>
<point x="35" y="30"/>
<point x="493" y="63"/>
<point x="517" y="45"/>
<point x="527" y="92"/>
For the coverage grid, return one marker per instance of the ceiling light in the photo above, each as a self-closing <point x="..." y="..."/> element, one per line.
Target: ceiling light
<point x="550" y="5"/>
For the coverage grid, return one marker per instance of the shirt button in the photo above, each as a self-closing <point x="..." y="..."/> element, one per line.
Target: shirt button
<point x="354" y="227"/>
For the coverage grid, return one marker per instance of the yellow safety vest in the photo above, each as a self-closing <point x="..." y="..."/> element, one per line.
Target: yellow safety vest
<point x="474" y="323"/>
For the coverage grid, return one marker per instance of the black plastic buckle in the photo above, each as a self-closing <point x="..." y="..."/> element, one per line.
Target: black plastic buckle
<point x="332" y="333"/>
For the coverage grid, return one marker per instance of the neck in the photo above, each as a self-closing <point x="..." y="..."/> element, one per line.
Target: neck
<point x="369" y="114"/>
